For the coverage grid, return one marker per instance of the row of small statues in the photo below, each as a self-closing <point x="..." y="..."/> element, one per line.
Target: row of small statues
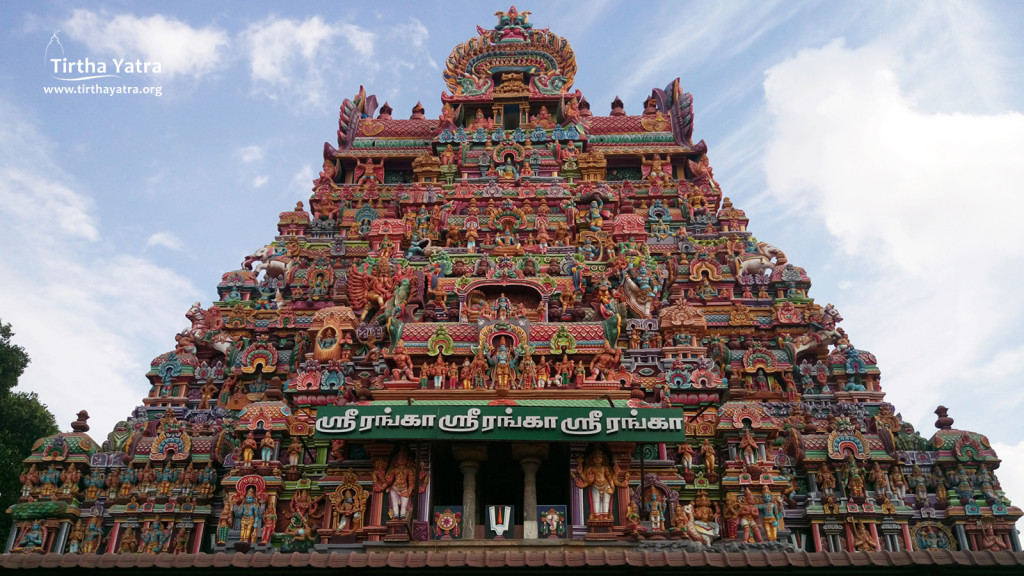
<point x="119" y="482"/>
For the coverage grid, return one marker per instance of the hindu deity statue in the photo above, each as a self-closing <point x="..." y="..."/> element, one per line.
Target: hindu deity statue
<point x="655" y="507"/>
<point x="508" y="170"/>
<point x="601" y="479"/>
<point x="593" y="216"/>
<point x="771" y="515"/>
<point x="249" y="514"/>
<point x="32" y="538"/>
<point x="502" y="372"/>
<point x="400" y="481"/>
<point x="748" y="514"/>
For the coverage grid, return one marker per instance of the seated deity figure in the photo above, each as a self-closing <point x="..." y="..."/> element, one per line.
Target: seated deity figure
<point x="508" y="170"/>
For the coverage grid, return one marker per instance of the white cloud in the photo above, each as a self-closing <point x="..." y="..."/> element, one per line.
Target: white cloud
<point x="924" y="202"/>
<point x="71" y="298"/>
<point x="251" y="153"/>
<point x="1011" y="471"/>
<point x="294" y="59"/>
<point x="705" y="31"/>
<point x="303" y="178"/>
<point x="179" y="48"/>
<point x="259" y="181"/>
<point x="165" y="239"/>
<point x="413" y="32"/>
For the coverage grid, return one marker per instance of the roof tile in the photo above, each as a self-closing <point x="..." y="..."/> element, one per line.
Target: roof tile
<point x="456" y="559"/>
<point x="515" y="559"/>
<point x="377" y="559"/>
<point x="316" y="560"/>
<point x="259" y="560"/>
<point x="221" y="560"/>
<point x="279" y="560"/>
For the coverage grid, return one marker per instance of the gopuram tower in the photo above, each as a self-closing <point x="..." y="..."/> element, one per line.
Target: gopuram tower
<point x="516" y="322"/>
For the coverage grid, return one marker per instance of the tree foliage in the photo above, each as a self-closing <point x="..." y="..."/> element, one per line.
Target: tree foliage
<point x="23" y="420"/>
<point x="13" y="359"/>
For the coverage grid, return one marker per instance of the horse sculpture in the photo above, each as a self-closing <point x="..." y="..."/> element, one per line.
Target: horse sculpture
<point x="206" y="328"/>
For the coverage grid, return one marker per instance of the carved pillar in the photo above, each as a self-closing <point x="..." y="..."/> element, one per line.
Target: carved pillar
<point x="469" y="456"/>
<point x="379" y="455"/>
<point x="622" y="455"/>
<point x="530" y="457"/>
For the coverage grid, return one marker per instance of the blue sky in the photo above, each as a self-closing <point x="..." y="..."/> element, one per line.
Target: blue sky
<point x="878" y="144"/>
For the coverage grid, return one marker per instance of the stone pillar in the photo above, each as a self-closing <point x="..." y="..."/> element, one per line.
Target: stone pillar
<point x="10" y="538"/>
<point x="530" y="456"/>
<point x="469" y="469"/>
<point x="530" y="466"/>
<point x="469" y="457"/>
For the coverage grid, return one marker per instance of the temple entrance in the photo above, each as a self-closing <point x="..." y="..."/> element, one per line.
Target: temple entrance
<point x="446" y="476"/>
<point x="553" y="479"/>
<point x="500" y="483"/>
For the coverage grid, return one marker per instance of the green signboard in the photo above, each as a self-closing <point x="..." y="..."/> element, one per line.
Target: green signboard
<point x="540" y="423"/>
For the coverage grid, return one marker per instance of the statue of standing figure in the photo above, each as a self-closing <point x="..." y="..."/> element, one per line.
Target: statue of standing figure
<point x="602" y="480"/>
<point x="400" y="480"/>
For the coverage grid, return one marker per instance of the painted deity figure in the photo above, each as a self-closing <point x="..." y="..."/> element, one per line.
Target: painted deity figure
<point x="529" y="372"/>
<point x="154" y="538"/>
<point x="656" y="169"/>
<point x="508" y="170"/>
<point x="854" y="480"/>
<point x="898" y="481"/>
<point x="344" y="510"/>
<point x="771" y="515"/>
<point x="249" y="447"/>
<point x="400" y="480"/>
<point x="129" y="541"/>
<point x="601" y="479"/>
<point x="249" y="514"/>
<point x="93" y="536"/>
<point x="403" y="363"/>
<point x="655" y="506"/>
<point x="502" y="373"/>
<point x="502" y="307"/>
<point x="748" y="514"/>
<point x="267" y="446"/>
<point x="748" y="448"/>
<point x="826" y="479"/>
<point x="32" y="538"/>
<point x="593" y="215"/>
<point x="707" y="452"/>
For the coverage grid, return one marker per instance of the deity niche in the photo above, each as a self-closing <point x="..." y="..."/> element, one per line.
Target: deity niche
<point x="599" y="479"/>
<point x="402" y="480"/>
<point x="328" y="344"/>
<point x="348" y="505"/>
<point x="655" y="505"/>
<point x="508" y="170"/>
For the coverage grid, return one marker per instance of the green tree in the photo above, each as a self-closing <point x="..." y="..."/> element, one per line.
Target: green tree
<point x="13" y="359"/>
<point x="23" y="419"/>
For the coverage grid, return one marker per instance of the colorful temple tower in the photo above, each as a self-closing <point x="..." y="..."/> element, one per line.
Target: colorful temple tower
<point x="516" y="321"/>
